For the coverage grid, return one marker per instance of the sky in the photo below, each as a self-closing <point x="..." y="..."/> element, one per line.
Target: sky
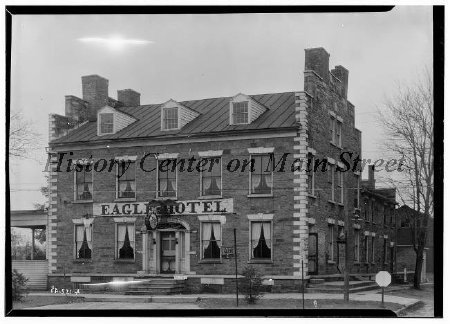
<point x="187" y="57"/>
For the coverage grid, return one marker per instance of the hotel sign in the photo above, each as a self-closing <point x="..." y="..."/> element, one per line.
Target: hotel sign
<point x="188" y="207"/>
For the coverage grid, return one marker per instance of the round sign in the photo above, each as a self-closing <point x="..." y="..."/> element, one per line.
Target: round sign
<point x="383" y="278"/>
<point x="153" y="221"/>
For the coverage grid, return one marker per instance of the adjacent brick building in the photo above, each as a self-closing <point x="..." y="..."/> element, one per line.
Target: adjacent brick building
<point x="104" y="221"/>
<point x="406" y="256"/>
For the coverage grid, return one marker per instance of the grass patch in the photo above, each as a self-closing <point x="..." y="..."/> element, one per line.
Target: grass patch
<point x="36" y="301"/>
<point x="217" y="303"/>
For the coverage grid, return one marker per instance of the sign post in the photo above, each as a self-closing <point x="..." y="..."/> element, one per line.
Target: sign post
<point x="303" y="288"/>
<point x="235" y="263"/>
<point x="383" y="279"/>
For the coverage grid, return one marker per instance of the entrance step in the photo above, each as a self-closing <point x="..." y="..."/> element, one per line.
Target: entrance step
<point x="316" y="281"/>
<point x="157" y="286"/>
<point x="340" y="277"/>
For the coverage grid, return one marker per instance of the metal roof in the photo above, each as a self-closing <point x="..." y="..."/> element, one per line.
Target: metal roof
<point x="214" y="117"/>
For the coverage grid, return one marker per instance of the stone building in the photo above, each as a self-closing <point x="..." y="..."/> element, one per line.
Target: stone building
<point x="158" y="190"/>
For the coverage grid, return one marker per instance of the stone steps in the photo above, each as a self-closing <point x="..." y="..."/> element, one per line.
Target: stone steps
<point x="157" y="286"/>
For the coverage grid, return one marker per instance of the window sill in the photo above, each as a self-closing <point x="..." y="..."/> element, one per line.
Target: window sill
<point x="82" y="201"/>
<point x="211" y="261"/>
<point x="312" y="196"/>
<point x="124" y="261"/>
<point x="165" y="198"/>
<point x="332" y="202"/>
<point x="124" y="199"/>
<point x="210" y="197"/>
<point x="262" y="261"/>
<point x="341" y="204"/>
<point x="335" y="145"/>
<point x="169" y="129"/>
<point x="331" y="262"/>
<point x="82" y="261"/>
<point x="259" y="195"/>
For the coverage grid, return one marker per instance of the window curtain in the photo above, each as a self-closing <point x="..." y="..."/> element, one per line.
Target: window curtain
<point x="127" y="182"/>
<point x="207" y="181"/>
<point x="269" y="181"/>
<point x="212" y="240"/>
<point x="162" y="186"/>
<point x="262" y="177"/>
<point x="256" y="230"/>
<point x="172" y="185"/>
<point x="125" y="235"/>
<point x="79" y="235"/>
<point x="167" y="182"/>
<point x="211" y="181"/>
<point x="83" y="242"/>
<point x="256" y="181"/>
<point x="127" y="189"/>
<point x="217" y="233"/>
<point x="206" y="233"/>
<point x="261" y="243"/>
<point x="266" y="228"/>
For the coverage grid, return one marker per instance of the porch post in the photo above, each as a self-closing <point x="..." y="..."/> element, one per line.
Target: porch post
<point x="145" y="251"/>
<point x="32" y="243"/>
<point x="177" y="252"/>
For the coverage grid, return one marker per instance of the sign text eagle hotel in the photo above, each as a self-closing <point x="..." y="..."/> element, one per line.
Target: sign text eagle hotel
<point x="194" y="207"/>
<point x="97" y="230"/>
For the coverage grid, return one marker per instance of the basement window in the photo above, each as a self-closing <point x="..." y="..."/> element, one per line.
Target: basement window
<point x="106" y="123"/>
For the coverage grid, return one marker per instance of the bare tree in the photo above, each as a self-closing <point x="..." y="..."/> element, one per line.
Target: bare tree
<point x="22" y="137"/>
<point x="408" y="120"/>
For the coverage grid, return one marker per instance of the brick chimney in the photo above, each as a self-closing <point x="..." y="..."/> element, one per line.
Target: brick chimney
<point x="318" y="60"/>
<point x="341" y="73"/>
<point x="95" y="92"/>
<point x="77" y="109"/>
<point x="371" y="182"/>
<point x="129" y="97"/>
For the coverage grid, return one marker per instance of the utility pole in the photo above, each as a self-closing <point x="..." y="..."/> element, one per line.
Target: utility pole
<point x="347" y="229"/>
<point x="347" y="261"/>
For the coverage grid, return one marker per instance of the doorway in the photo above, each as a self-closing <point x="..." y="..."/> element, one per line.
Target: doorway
<point x="168" y="252"/>
<point x="312" y="254"/>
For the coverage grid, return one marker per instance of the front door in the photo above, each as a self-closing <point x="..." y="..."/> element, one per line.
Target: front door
<point x="312" y="254"/>
<point x="168" y="261"/>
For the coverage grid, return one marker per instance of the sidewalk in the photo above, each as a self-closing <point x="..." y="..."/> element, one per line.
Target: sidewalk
<point x="179" y="299"/>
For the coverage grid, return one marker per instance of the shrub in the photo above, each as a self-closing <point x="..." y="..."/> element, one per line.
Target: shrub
<point x="19" y="285"/>
<point x="251" y="285"/>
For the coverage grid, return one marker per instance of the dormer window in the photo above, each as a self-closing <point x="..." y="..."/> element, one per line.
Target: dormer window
<point x="106" y="123"/>
<point x="111" y="120"/>
<point x="170" y="118"/>
<point x="240" y="112"/>
<point x="175" y="115"/>
<point x="244" y="109"/>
